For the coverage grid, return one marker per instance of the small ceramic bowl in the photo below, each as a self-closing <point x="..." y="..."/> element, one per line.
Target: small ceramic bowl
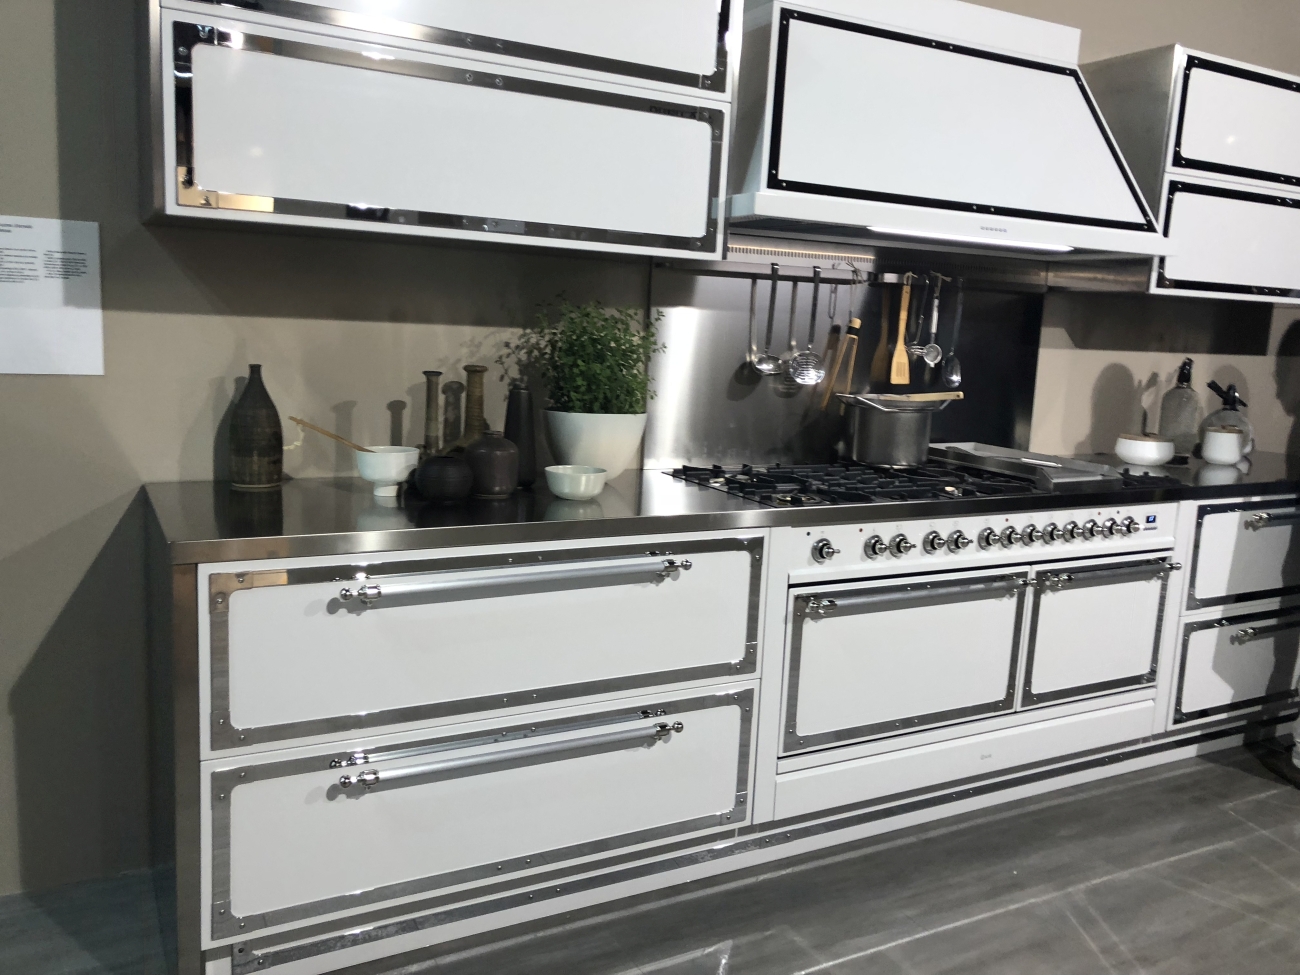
<point x="1134" y="448"/>
<point x="387" y="467"/>
<point x="575" y="483"/>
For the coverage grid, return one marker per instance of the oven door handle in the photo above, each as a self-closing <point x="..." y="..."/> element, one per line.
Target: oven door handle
<point x="1267" y="519"/>
<point x="454" y="768"/>
<point x="1248" y="633"/>
<point x="1055" y="581"/>
<point x="818" y="606"/>
<point x="537" y="578"/>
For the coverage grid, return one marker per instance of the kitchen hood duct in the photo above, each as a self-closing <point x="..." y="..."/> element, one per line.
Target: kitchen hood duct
<point x="932" y="120"/>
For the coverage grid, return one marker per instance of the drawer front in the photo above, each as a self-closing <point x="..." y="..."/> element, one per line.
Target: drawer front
<point x="1095" y="628"/>
<point x="1244" y="551"/>
<point x="295" y="839"/>
<point x="887" y="659"/>
<point x="1231" y="242"/>
<point x="1236" y="663"/>
<point x="312" y="651"/>
<point x="1237" y="122"/>
<point x="276" y="125"/>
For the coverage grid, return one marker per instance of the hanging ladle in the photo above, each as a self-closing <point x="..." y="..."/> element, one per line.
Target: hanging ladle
<point x="764" y="363"/>
<point x="806" y="368"/>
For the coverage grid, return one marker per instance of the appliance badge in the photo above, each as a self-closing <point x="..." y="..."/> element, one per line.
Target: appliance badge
<point x="1151" y="523"/>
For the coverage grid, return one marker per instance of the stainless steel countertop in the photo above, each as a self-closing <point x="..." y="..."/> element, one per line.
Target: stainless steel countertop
<point x="206" y="521"/>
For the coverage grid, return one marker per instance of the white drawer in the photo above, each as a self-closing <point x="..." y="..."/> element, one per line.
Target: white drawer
<point x="1244" y="551"/>
<point x="319" y="833"/>
<point x="1236" y="663"/>
<point x="291" y="656"/>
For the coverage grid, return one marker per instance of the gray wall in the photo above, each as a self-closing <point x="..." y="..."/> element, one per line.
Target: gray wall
<point x="343" y="328"/>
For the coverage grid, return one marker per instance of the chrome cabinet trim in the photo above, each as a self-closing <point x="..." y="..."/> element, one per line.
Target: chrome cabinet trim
<point x="315" y="13"/>
<point x="222" y="586"/>
<point x="225" y="924"/>
<point x="810" y="607"/>
<point x="1261" y="507"/>
<point x="1100" y="575"/>
<point x="190" y="194"/>
<point x="1268" y="519"/>
<point x="1286" y="619"/>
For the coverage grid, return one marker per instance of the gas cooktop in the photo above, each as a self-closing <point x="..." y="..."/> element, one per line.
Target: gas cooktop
<point x="848" y="482"/>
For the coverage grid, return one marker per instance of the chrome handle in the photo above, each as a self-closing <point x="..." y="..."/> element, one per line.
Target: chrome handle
<point x="1248" y="633"/>
<point x="1264" y="519"/>
<point x="822" y="605"/>
<point x="479" y="584"/>
<point x="1053" y="581"/>
<point x="450" y="768"/>
<point x="819" y="607"/>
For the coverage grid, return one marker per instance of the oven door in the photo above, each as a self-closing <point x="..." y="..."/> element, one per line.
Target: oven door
<point x="1245" y="551"/>
<point x="883" y="658"/>
<point x="1094" y="628"/>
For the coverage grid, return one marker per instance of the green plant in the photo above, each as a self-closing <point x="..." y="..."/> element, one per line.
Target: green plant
<point x="592" y="359"/>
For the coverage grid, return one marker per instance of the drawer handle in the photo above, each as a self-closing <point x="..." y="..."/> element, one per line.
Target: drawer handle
<point x="1249" y="633"/>
<point x="1266" y="518"/>
<point x="469" y="586"/>
<point x="821" y="606"/>
<point x="1053" y="581"/>
<point x="510" y="758"/>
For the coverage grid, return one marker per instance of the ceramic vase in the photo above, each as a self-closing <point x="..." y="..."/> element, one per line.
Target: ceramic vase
<point x="608" y="440"/>
<point x="494" y="462"/>
<point x="519" y="431"/>
<point x="256" y="441"/>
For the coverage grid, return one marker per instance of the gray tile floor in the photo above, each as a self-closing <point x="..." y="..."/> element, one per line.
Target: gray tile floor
<point x="1186" y="869"/>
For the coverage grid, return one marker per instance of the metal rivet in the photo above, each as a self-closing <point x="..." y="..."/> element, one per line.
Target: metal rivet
<point x="243" y="924"/>
<point x="498" y="866"/>
<point x="221" y="599"/>
<point x="222" y="912"/>
<point x="243" y="775"/>
<point x="222" y="796"/>
<point x="221" y="722"/>
<point x="469" y="76"/>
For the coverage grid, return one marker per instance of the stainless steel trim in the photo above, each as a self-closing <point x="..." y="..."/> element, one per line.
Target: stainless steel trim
<point x="813" y="606"/>
<point x="1267" y="518"/>
<point x="494" y="46"/>
<point x="1262" y="507"/>
<point x="1279" y="620"/>
<point x="225" y="924"/>
<point x="224" y="734"/>
<point x="544" y="578"/>
<point x="266" y="953"/>
<point x="189" y="193"/>
<point x="371" y="779"/>
<point x="186" y="722"/>
<point x="1101" y="575"/>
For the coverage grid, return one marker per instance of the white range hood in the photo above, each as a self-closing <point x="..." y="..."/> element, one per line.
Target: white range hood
<point x="927" y="121"/>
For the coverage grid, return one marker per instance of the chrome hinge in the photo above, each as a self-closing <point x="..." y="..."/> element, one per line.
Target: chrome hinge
<point x="356" y="758"/>
<point x="675" y="565"/>
<point x="819" y="607"/>
<point x="664" y="730"/>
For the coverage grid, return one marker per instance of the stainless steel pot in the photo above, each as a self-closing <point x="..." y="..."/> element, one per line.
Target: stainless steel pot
<point x="892" y="431"/>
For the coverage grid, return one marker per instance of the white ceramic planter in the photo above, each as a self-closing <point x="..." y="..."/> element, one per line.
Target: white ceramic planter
<point x="608" y="440"/>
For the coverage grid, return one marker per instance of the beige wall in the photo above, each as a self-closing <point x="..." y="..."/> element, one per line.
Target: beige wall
<point x="343" y="328"/>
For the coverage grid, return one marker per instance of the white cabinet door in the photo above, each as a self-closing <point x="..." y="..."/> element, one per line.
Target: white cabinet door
<point x="313" y="651"/>
<point x="883" y="659"/>
<point x="295" y="838"/>
<point x="1094" y="628"/>
<point x="1238" y="662"/>
<point x="1245" y="551"/>
<point x="281" y="126"/>
<point x="1238" y="122"/>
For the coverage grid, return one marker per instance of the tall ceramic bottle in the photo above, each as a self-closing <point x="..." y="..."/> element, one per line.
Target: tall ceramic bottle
<point x="256" y="441"/>
<point x="519" y="431"/>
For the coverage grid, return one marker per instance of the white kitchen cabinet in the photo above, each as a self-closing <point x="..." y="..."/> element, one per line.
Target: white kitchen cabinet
<point x="1237" y="662"/>
<point x="321" y="115"/>
<point x="1215" y="146"/>
<point x="1244" y="551"/>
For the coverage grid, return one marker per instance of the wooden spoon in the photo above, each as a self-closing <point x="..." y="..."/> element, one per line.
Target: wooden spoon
<point x="900" y="372"/>
<point x="332" y="436"/>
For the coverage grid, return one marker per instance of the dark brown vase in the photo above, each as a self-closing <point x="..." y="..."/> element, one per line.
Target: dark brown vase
<point x="519" y="431"/>
<point x="256" y="442"/>
<point x="494" y="461"/>
<point x="444" y="479"/>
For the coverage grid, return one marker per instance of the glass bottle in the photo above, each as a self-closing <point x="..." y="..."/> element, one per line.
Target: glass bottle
<point x="1180" y="412"/>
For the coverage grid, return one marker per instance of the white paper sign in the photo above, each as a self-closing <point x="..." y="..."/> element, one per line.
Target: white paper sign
<point x="51" y="320"/>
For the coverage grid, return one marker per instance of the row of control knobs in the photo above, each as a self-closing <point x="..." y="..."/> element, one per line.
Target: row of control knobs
<point x="934" y="543"/>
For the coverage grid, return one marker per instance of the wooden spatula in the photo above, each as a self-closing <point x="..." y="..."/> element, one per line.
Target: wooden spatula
<point x="900" y="371"/>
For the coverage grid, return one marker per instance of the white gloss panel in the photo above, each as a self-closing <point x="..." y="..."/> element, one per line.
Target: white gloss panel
<point x="1218" y="672"/>
<point x="1237" y="122"/>
<point x="296" y="839"/>
<point x="1088" y="634"/>
<point x="680" y="35"/>
<point x="1233" y="560"/>
<point x="934" y="124"/>
<point x="866" y="668"/>
<point x="266" y="125"/>
<point x="297" y="653"/>
<point x="1236" y="242"/>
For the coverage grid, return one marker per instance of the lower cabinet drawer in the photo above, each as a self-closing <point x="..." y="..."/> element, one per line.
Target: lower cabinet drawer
<point x="828" y="787"/>
<point x="1236" y="663"/>
<point x="296" y="838"/>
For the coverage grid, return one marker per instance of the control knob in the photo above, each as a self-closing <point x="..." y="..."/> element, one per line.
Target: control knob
<point x="1011" y="536"/>
<point x="1091" y="529"/>
<point x="1110" y="528"/>
<point x="823" y="550"/>
<point x="1032" y="534"/>
<point x="875" y="547"/>
<point x="958" y="541"/>
<point x="1052" y="533"/>
<point x="1130" y="525"/>
<point x="900" y="545"/>
<point x="1072" y="531"/>
<point x="989" y="537"/>
<point x="933" y="543"/>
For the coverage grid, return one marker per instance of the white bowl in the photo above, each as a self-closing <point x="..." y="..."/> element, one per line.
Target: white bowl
<point x="387" y="467"/>
<point x="574" y="482"/>
<point x="1135" y="448"/>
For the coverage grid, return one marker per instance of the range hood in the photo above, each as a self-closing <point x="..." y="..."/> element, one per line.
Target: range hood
<point x="932" y="122"/>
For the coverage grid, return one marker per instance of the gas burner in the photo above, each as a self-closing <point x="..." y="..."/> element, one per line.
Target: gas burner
<point x="795" y="500"/>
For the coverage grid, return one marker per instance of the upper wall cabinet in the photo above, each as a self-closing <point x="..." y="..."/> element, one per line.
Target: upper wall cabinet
<point x="558" y="123"/>
<point x="1215" y="146"/>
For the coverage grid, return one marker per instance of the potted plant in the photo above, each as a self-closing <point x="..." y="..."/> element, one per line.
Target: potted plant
<point x="593" y="362"/>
